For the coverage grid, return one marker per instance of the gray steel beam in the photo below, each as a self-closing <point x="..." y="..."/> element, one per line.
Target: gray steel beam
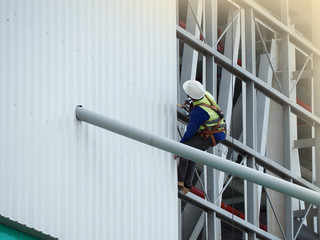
<point x="198" y="156"/>
<point x="246" y="76"/>
<point x="226" y="216"/>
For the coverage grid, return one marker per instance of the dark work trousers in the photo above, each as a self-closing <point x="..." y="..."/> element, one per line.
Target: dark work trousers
<point x="186" y="168"/>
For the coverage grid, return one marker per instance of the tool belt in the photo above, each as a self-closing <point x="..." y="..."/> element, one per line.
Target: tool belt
<point x="206" y="133"/>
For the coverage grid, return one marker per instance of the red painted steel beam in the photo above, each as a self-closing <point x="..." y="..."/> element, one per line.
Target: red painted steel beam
<point x="226" y="207"/>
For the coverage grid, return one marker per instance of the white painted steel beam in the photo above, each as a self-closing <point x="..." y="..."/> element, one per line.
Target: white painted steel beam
<point x="303" y="74"/>
<point x="227" y="85"/>
<point x="301" y="213"/>
<point x="276" y="24"/>
<point x="198" y="156"/>
<point x="251" y="124"/>
<point x="288" y="157"/>
<point x="264" y="161"/>
<point x="316" y="103"/>
<point x="199" y="226"/>
<point x="226" y="216"/>
<point x="190" y="56"/>
<point x="304" y="143"/>
<point x="211" y="32"/>
<point x="246" y="76"/>
<point x="231" y="51"/>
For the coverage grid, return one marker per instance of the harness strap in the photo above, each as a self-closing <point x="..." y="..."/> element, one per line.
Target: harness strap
<point x="210" y="132"/>
<point x="213" y="139"/>
<point x="212" y="106"/>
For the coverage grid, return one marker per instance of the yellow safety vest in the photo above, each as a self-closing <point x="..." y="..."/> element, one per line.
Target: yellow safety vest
<point x="206" y="103"/>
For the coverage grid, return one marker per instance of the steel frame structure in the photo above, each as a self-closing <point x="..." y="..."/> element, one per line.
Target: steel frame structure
<point x="208" y="159"/>
<point x="283" y="94"/>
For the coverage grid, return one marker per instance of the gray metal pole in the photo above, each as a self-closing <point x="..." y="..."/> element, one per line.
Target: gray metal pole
<point x="199" y="156"/>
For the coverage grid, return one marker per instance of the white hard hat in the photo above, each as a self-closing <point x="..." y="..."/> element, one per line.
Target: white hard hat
<point x="194" y="89"/>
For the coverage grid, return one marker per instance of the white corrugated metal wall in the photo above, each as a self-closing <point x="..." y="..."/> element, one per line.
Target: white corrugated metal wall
<point x="64" y="177"/>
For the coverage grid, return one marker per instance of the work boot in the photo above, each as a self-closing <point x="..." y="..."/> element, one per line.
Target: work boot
<point x="180" y="184"/>
<point x="184" y="189"/>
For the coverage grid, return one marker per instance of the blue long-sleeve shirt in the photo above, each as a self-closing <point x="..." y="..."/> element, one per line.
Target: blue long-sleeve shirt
<point x="197" y="117"/>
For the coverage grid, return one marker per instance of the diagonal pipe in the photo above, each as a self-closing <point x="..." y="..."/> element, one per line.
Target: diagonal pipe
<point x="198" y="156"/>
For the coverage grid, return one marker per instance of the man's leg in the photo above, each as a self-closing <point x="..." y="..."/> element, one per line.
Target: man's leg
<point x="190" y="173"/>
<point x="182" y="169"/>
<point x="187" y="169"/>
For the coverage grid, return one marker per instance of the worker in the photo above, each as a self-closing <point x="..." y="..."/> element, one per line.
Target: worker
<point x="206" y="128"/>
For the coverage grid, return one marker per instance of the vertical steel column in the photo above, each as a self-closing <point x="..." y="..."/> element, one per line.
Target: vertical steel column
<point x="190" y="56"/>
<point x="317" y="127"/>
<point x="250" y="41"/>
<point x="251" y="142"/>
<point x="286" y="133"/>
<point x="211" y="22"/>
<point x="225" y="100"/>
<point x="178" y="100"/>
<point x="244" y="64"/>
<point x="286" y="114"/>
<point x="251" y="204"/>
<point x="263" y="110"/>
<point x="316" y="100"/>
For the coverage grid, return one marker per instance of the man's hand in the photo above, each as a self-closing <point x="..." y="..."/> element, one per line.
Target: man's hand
<point x="180" y="106"/>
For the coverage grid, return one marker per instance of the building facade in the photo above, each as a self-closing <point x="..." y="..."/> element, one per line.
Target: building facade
<point x="61" y="178"/>
<point x="67" y="179"/>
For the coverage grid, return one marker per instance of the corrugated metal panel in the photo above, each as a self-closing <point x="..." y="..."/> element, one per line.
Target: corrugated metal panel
<point x="66" y="178"/>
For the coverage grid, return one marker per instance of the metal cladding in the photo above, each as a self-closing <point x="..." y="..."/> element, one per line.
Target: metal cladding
<point x="68" y="179"/>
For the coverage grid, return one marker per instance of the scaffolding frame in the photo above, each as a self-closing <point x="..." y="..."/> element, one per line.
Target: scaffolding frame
<point x="255" y="13"/>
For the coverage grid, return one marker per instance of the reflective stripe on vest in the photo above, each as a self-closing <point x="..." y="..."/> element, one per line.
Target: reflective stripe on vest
<point x="214" y="117"/>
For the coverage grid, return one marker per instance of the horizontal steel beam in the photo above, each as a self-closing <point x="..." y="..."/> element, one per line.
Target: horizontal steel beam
<point x="226" y="216"/>
<point x="276" y="24"/>
<point x="304" y="143"/>
<point x="306" y="74"/>
<point x="245" y="76"/>
<point x="268" y="163"/>
<point x="199" y="156"/>
<point x="263" y="161"/>
<point x="302" y="213"/>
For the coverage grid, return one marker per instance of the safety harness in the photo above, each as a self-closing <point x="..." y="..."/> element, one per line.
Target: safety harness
<point x="216" y="128"/>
